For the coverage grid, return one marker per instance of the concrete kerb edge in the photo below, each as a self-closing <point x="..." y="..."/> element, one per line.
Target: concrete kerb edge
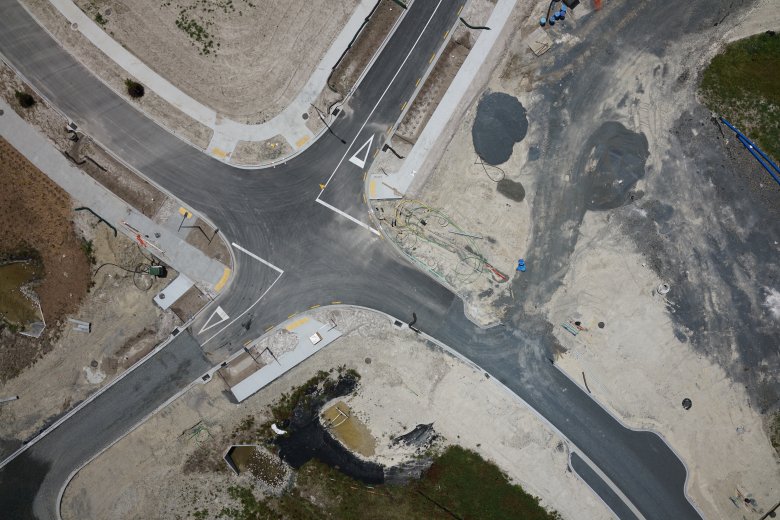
<point x="438" y="148"/>
<point x="412" y="98"/>
<point x="588" y="485"/>
<point x="340" y="103"/>
<point x="211" y="371"/>
<point x="128" y="432"/>
<point x="97" y="393"/>
<point x="631" y="428"/>
<point x="111" y="152"/>
<point x="117" y="92"/>
<point x="378" y="51"/>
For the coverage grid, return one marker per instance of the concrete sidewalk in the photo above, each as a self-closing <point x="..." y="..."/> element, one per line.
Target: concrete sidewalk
<point x="395" y="184"/>
<point x="209" y="274"/>
<point x="227" y="133"/>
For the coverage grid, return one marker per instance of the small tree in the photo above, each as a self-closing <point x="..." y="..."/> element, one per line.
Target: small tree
<point x="25" y="100"/>
<point x="134" y="89"/>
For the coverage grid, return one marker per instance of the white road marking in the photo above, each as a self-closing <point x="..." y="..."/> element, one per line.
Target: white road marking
<point x="361" y="163"/>
<point x="269" y="264"/>
<point x="382" y="96"/>
<point x="218" y="312"/>
<point x="220" y="331"/>
<point x="350" y="217"/>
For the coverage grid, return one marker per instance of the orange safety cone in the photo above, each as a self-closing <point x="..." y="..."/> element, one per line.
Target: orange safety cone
<point x="597" y="4"/>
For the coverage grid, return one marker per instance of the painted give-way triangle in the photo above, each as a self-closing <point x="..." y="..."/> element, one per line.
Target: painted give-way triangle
<point x="361" y="163"/>
<point x="218" y="313"/>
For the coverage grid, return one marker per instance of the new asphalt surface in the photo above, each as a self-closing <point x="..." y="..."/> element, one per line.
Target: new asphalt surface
<point x="318" y="256"/>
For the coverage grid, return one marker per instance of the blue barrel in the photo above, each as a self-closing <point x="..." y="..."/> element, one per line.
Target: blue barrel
<point x="562" y="15"/>
<point x="542" y="21"/>
<point x="552" y="21"/>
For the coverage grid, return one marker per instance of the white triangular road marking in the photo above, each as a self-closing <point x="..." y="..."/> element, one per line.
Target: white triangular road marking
<point x="361" y="163"/>
<point x="222" y="317"/>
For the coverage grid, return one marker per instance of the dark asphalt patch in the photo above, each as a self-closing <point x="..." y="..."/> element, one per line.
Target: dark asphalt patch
<point x="612" y="162"/>
<point x="510" y="189"/>
<point x="500" y="123"/>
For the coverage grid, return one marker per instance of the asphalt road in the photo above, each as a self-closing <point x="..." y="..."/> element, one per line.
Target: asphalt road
<point x="321" y="257"/>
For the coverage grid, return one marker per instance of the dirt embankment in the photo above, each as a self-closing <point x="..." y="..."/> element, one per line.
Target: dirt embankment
<point x="36" y="216"/>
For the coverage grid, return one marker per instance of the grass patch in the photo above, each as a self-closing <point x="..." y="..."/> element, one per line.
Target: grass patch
<point x="459" y="484"/>
<point x="743" y="85"/>
<point x="774" y="431"/>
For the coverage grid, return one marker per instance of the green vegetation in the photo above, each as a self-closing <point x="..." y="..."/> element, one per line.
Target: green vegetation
<point x="100" y="20"/>
<point x="743" y="85"/>
<point x="774" y="431"/>
<point x="459" y="484"/>
<point x="89" y="250"/>
<point x="25" y="100"/>
<point x="134" y="89"/>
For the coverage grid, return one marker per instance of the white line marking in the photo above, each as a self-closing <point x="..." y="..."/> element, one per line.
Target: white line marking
<point x="269" y="264"/>
<point x="361" y="163"/>
<point x="350" y="217"/>
<point x="243" y="313"/>
<point x="382" y="96"/>
<point x="218" y="312"/>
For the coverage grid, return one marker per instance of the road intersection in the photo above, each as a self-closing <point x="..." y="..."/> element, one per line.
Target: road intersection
<point x="296" y="245"/>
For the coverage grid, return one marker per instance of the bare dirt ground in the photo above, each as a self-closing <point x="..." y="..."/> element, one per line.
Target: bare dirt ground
<point x="113" y="75"/>
<point x="260" y="152"/>
<point x="245" y="59"/>
<point x="37" y="216"/>
<point x="363" y="49"/>
<point x="404" y="383"/>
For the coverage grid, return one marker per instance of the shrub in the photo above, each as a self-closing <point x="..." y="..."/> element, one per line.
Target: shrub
<point x="25" y="100"/>
<point x="134" y="89"/>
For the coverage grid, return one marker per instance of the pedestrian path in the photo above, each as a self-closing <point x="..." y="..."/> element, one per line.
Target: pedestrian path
<point x="227" y="133"/>
<point x="158" y="240"/>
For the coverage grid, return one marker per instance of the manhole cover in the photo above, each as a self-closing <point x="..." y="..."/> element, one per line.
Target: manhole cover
<point x="601" y="324"/>
<point x="663" y="288"/>
<point x="368" y="361"/>
<point x="305" y="116"/>
<point x="74" y="26"/>
<point x="1" y="112"/>
<point x="687" y="403"/>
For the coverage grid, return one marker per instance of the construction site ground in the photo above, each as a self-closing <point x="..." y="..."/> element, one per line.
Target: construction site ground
<point x="645" y="360"/>
<point x="404" y="382"/>
<point x="53" y="373"/>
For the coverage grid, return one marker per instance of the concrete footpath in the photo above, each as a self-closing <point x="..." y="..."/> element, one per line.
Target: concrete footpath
<point x="227" y="133"/>
<point x="394" y="185"/>
<point x="209" y="274"/>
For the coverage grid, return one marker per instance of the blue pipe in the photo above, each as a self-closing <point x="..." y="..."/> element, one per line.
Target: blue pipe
<point x="752" y="148"/>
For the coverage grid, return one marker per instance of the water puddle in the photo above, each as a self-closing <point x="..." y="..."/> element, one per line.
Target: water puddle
<point x="349" y="429"/>
<point x="15" y="307"/>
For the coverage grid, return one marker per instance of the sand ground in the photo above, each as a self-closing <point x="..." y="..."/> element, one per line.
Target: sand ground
<point x="261" y="54"/>
<point x="642" y="369"/>
<point x="404" y="383"/>
<point x="642" y="364"/>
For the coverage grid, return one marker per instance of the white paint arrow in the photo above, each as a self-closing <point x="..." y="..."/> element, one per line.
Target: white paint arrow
<point x="222" y="317"/>
<point x="361" y="163"/>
